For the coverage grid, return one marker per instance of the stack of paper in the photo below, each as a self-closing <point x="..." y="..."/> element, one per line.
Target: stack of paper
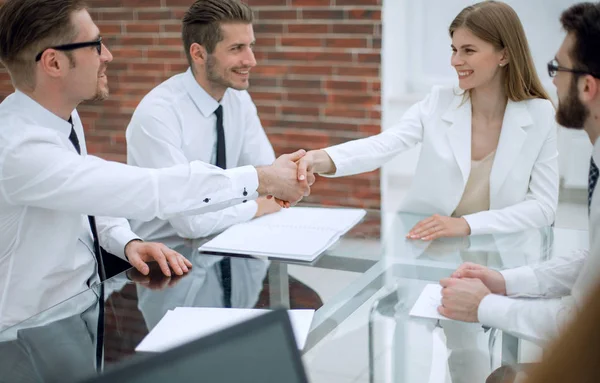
<point x="185" y="324"/>
<point x="300" y="233"/>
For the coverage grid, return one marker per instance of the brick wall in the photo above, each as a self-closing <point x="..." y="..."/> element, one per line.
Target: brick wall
<point x="316" y="84"/>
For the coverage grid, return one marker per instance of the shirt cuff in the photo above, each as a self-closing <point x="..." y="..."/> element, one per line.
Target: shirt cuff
<point x="521" y="281"/>
<point x="337" y="161"/>
<point x="245" y="180"/>
<point x="119" y="238"/>
<point x="493" y="310"/>
<point x="476" y="224"/>
<point x="247" y="211"/>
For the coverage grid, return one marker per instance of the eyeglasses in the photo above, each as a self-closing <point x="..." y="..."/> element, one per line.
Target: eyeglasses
<point x="553" y="67"/>
<point x="73" y="46"/>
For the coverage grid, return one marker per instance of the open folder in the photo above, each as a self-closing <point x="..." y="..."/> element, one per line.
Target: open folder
<point x="298" y="233"/>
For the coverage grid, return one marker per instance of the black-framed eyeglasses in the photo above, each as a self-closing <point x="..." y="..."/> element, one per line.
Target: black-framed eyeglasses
<point x="73" y="46"/>
<point x="553" y="68"/>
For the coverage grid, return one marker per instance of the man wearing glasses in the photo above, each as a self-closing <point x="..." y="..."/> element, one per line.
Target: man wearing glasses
<point x="563" y="284"/>
<point x="51" y="191"/>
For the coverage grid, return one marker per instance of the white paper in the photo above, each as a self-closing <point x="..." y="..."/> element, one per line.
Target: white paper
<point x="428" y="302"/>
<point x="185" y="324"/>
<point x="299" y="233"/>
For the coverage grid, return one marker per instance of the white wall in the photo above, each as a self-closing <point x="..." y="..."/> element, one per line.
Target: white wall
<point x="416" y="55"/>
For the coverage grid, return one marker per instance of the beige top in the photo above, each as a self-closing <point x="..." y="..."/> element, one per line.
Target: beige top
<point x="476" y="196"/>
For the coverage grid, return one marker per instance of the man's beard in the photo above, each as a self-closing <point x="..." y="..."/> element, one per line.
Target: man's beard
<point x="212" y="74"/>
<point x="571" y="112"/>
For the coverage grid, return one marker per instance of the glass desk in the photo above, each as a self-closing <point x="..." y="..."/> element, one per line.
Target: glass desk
<point x="361" y="289"/>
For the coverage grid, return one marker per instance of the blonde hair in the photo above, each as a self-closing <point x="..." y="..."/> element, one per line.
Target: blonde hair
<point x="498" y="24"/>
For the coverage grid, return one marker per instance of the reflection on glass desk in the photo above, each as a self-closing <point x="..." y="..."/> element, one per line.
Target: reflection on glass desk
<point x="375" y="272"/>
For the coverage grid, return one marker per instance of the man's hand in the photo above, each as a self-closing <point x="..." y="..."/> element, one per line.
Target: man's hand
<point x="138" y="253"/>
<point x="438" y="226"/>
<point x="492" y="279"/>
<point x="461" y="298"/>
<point x="266" y="206"/>
<point x="280" y="179"/>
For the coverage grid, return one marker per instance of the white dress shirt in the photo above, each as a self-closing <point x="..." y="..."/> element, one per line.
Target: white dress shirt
<point x="524" y="176"/>
<point x="175" y="124"/>
<point x="563" y="283"/>
<point x="47" y="190"/>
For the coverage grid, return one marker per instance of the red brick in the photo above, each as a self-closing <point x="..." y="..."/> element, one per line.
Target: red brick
<point x="261" y="27"/>
<point x="311" y="56"/>
<point x="147" y="67"/>
<point x="321" y="3"/>
<point x="358" y="2"/>
<point x="345" y="112"/>
<point x="302" y="84"/>
<point x="179" y="3"/>
<point x="153" y="15"/>
<point x="362" y="71"/>
<point x="144" y="41"/>
<point x="263" y="82"/>
<point x="254" y="3"/>
<point x="170" y="42"/>
<point x="369" y="58"/>
<point x="268" y="96"/>
<point x="364" y="29"/>
<point x="109" y="28"/>
<point x="308" y="28"/>
<point x="267" y="109"/>
<point x="120" y="53"/>
<point x="165" y="53"/>
<point x="140" y="3"/>
<point x="307" y="97"/>
<point x="364" y="14"/>
<point x="114" y="15"/>
<point x="142" y="28"/>
<point x="354" y="99"/>
<point x="270" y="70"/>
<point x="300" y="110"/>
<point x="300" y="42"/>
<point x="310" y="70"/>
<point x="322" y="14"/>
<point x="171" y="28"/>
<point x="360" y="86"/>
<point x="341" y="42"/>
<point x="276" y="15"/>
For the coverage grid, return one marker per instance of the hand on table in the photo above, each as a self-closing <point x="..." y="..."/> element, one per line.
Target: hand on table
<point x="438" y="226"/>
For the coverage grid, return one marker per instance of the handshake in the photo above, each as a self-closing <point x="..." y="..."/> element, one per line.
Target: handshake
<point x="290" y="177"/>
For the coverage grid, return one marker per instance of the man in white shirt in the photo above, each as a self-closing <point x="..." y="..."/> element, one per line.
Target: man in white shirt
<point x="51" y="190"/>
<point x="497" y="299"/>
<point x="177" y="122"/>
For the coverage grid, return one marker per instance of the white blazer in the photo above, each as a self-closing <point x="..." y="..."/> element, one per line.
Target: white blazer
<point x="524" y="176"/>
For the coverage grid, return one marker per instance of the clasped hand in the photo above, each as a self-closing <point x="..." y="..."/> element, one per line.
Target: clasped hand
<point x="294" y="180"/>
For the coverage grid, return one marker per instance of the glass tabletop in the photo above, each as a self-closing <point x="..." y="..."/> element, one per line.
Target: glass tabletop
<point x="360" y="289"/>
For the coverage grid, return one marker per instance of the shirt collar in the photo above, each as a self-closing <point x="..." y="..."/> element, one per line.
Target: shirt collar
<point x="42" y="115"/>
<point x="204" y="101"/>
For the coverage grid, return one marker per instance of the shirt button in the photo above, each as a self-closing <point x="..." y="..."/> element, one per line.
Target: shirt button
<point x="245" y="193"/>
<point x="244" y="201"/>
<point x="206" y="200"/>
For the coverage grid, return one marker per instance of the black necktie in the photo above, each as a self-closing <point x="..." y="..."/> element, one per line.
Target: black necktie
<point x="75" y="141"/>
<point x="222" y="163"/>
<point x="592" y="180"/>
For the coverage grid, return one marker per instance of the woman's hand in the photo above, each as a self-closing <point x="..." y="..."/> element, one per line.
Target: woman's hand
<point x="438" y="226"/>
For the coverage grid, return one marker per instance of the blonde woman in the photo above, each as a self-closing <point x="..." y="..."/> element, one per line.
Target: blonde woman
<point x="488" y="161"/>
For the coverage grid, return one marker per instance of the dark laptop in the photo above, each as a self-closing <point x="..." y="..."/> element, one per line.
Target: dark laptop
<point x="262" y="350"/>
